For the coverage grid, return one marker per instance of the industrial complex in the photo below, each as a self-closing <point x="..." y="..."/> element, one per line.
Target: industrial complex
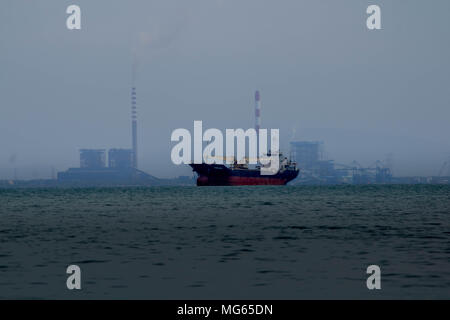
<point x="122" y="163"/>
<point x="316" y="170"/>
<point x="119" y="166"/>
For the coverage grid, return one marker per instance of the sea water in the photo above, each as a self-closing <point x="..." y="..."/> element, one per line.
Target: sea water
<point x="226" y="242"/>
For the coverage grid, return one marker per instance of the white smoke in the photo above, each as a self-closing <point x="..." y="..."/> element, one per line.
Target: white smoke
<point x="151" y="42"/>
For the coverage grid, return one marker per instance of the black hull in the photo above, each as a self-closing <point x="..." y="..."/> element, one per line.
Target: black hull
<point x="220" y="175"/>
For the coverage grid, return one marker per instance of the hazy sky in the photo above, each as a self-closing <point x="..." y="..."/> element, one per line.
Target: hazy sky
<point x="319" y="69"/>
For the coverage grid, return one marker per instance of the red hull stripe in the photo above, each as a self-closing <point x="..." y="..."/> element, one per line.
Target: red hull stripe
<point x="243" y="181"/>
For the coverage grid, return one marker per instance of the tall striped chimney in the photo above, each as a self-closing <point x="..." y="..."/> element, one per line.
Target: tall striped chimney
<point x="257" y="112"/>
<point x="134" y="126"/>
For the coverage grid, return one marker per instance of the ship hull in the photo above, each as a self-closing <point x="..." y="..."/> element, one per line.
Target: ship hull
<point x="220" y="175"/>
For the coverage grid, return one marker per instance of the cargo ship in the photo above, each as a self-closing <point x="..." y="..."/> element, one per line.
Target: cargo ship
<point x="241" y="175"/>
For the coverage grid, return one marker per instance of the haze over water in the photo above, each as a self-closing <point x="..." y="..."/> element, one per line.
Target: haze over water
<point x="226" y="242"/>
<point x="364" y="93"/>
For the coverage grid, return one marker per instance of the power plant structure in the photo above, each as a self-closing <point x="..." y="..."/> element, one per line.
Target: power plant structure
<point x="307" y="154"/>
<point x="93" y="169"/>
<point x="314" y="169"/>
<point x="121" y="158"/>
<point x="122" y="166"/>
<point x="257" y="112"/>
<point x="309" y="157"/>
<point x="92" y="158"/>
<point x="134" y="128"/>
<point x="119" y="166"/>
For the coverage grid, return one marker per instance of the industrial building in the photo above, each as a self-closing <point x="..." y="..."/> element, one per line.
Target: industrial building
<point x="93" y="171"/>
<point x="316" y="170"/>
<point x="92" y="158"/>
<point x="122" y="163"/>
<point x="120" y="158"/>
<point x="306" y="153"/>
<point x="309" y="158"/>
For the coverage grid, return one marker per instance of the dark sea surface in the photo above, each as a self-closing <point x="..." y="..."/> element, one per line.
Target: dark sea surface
<point x="226" y="242"/>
